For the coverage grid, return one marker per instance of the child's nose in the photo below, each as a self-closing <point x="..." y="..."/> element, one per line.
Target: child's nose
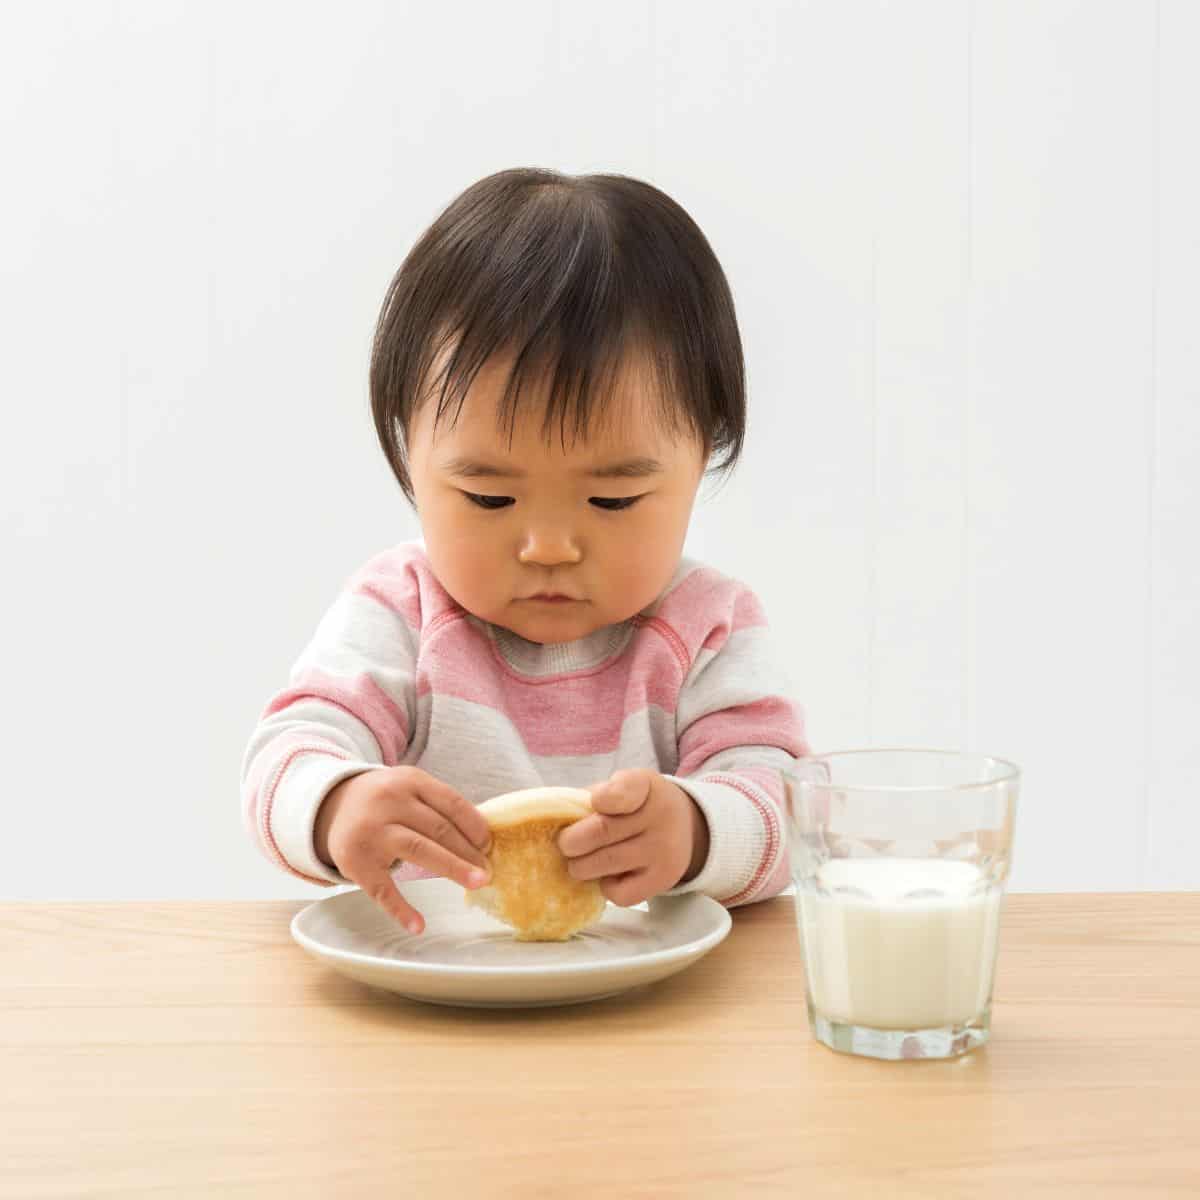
<point x="549" y="546"/>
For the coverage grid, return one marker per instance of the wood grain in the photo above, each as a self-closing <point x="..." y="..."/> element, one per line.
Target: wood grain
<point x="190" y="1049"/>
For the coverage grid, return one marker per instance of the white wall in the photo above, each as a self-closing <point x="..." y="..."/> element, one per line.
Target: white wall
<point x="963" y="244"/>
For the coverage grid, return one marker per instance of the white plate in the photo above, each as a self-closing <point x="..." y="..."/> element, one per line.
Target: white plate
<point x="465" y="957"/>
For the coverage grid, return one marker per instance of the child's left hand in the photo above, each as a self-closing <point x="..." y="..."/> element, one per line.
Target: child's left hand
<point x="645" y="836"/>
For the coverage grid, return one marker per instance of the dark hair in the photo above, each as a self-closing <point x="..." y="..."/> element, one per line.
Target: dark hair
<point x="570" y="272"/>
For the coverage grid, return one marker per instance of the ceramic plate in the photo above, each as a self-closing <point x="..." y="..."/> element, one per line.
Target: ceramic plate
<point x="465" y="957"/>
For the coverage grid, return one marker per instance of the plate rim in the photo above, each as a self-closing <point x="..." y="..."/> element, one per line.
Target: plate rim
<point x="713" y="937"/>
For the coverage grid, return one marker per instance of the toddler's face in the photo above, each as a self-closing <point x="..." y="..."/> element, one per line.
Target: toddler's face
<point x="506" y="524"/>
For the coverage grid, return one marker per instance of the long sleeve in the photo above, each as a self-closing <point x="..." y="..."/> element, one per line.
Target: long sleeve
<point x="736" y="729"/>
<point x="349" y="707"/>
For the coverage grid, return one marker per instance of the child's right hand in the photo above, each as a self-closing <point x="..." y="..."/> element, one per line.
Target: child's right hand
<point x="372" y="819"/>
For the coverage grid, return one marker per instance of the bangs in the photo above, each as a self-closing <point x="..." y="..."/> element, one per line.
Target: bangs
<point x="578" y="379"/>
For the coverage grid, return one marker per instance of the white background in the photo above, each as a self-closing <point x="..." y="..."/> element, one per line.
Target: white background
<point x="962" y="239"/>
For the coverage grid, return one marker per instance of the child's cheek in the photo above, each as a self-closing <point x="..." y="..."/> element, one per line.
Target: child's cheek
<point x="649" y="551"/>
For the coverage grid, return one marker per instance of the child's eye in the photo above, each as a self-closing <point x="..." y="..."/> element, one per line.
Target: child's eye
<point x="614" y="503"/>
<point x="489" y="502"/>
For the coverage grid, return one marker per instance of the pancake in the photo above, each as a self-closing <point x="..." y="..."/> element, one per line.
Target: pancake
<point x="531" y="890"/>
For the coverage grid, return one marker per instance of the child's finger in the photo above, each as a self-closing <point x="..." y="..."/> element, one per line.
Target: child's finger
<point x="628" y="889"/>
<point x="581" y="836"/>
<point x="378" y="884"/>
<point x="457" y="808"/>
<point x="625" y="792"/>
<point x="399" y="841"/>
<point x="600" y="829"/>
<point x="614" y="859"/>
<point x="429" y="821"/>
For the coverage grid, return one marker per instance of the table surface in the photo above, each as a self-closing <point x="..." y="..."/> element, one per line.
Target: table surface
<point x="192" y="1049"/>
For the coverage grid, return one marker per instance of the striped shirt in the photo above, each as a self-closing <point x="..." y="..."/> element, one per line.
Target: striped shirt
<point x="397" y="672"/>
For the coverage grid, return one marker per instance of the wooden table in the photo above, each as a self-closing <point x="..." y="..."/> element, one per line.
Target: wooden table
<point x="191" y="1049"/>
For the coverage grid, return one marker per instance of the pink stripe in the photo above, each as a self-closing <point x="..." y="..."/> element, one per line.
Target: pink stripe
<point x="404" y="603"/>
<point x="258" y="798"/>
<point x="771" y="783"/>
<point x="673" y="640"/>
<point x="705" y="596"/>
<point x="402" y="580"/>
<point x="768" y="865"/>
<point x="566" y="714"/>
<point x="362" y="698"/>
<point x="765" y="778"/>
<point x="258" y="777"/>
<point x="772" y="721"/>
<point x="252" y="787"/>
<point x="778" y="878"/>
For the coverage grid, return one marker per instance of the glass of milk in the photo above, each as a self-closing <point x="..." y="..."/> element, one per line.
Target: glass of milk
<point x="899" y="859"/>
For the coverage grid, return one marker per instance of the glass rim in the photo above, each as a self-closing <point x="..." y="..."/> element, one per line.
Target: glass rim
<point x="1013" y="771"/>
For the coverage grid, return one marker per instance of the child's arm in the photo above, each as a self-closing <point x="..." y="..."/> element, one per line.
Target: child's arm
<point x="349" y="707"/>
<point x="736" y="730"/>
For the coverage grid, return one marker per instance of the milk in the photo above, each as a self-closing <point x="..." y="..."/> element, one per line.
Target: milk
<point x="899" y="943"/>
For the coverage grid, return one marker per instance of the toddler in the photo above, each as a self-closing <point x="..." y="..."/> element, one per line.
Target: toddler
<point x="556" y="364"/>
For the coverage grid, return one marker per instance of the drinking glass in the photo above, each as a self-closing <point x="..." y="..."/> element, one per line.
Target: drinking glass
<point x="900" y="858"/>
